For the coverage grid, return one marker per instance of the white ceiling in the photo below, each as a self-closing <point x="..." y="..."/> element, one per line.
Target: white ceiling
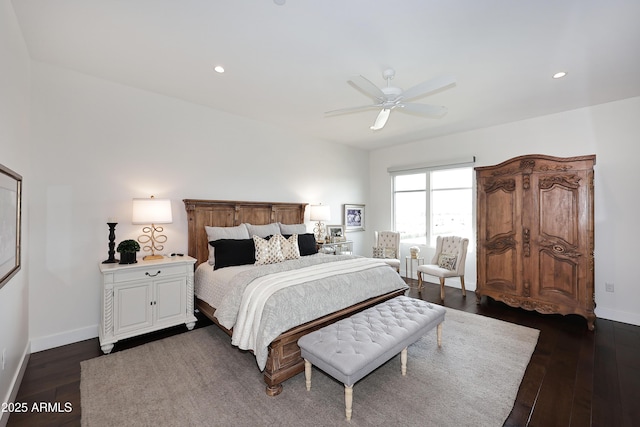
<point x="288" y="64"/>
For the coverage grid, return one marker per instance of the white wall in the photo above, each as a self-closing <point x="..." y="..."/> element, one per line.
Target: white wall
<point x="609" y="130"/>
<point x="14" y="146"/>
<point x="96" y="145"/>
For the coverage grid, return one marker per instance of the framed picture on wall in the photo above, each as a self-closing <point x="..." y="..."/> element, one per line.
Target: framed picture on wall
<point x="354" y="217"/>
<point x="10" y="208"/>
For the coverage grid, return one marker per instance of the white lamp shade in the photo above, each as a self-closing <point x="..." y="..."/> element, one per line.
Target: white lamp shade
<point x="151" y="211"/>
<point x="320" y="213"/>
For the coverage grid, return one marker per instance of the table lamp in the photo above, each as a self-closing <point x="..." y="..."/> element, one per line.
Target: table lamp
<point x="319" y="213"/>
<point x="152" y="211"/>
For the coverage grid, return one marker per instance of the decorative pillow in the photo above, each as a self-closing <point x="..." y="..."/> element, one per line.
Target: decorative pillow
<point x="389" y="253"/>
<point x="263" y="230"/>
<point x="378" y="252"/>
<point x="293" y="229"/>
<point x="267" y="251"/>
<point x="447" y="261"/>
<point x="289" y="246"/>
<point x="233" y="252"/>
<point x="217" y="233"/>
<point x="307" y="244"/>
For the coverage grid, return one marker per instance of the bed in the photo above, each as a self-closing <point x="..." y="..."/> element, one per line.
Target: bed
<point x="282" y="356"/>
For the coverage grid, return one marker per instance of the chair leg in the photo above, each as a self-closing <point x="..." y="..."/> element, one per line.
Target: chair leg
<point x="419" y="279"/>
<point x="442" y="288"/>
<point x="464" y="291"/>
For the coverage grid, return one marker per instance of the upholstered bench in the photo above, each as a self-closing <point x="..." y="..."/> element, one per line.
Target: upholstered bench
<point x="351" y="348"/>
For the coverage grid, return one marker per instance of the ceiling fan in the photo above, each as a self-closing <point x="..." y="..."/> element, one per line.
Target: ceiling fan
<point x="389" y="98"/>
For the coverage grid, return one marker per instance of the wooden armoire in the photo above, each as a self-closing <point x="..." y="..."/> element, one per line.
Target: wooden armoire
<point x="535" y="234"/>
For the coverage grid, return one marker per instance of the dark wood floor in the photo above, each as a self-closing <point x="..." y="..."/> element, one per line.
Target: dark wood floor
<point x="575" y="377"/>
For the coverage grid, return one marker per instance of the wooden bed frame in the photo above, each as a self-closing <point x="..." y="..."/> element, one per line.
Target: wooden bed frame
<point x="284" y="360"/>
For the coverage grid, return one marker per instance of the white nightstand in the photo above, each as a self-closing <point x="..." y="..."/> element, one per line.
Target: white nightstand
<point x="144" y="297"/>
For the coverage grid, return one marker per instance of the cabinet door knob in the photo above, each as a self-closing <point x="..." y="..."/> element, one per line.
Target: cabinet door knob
<point x="152" y="275"/>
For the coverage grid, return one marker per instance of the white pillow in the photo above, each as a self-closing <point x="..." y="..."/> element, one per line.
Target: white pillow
<point x="267" y="251"/>
<point x="263" y="230"/>
<point x="289" y="247"/>
<point x="293" y="228"/>
<point x="217" y="233"/>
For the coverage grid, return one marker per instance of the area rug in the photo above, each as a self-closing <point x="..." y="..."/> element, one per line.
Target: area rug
<point x="198" y="379"/>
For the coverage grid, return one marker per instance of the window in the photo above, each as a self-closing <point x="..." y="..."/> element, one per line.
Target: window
<point x="430" y="203"/>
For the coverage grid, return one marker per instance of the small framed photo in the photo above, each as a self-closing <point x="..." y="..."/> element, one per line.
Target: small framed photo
<point x="335" y="233"/>
<point x="354" y="217"/>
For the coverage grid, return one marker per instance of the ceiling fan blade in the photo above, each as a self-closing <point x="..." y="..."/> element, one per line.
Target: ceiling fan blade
<point x="352" y="109"/>
<point x="429" y="87"/>
<point x="424" y="109"/>
<point x="381" y="120"/>
<point x="367" y="87"/>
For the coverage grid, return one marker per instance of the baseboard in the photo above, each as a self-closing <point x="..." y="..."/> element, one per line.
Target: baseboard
<point x="63" y="338"/>
<point x="453" y="282"/>
<point x="618" y="316"/>
<point x="15" y="385"/>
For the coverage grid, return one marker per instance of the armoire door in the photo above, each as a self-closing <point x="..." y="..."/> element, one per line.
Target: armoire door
<point x="559" y="247"/>
<point x="499" y="233"/>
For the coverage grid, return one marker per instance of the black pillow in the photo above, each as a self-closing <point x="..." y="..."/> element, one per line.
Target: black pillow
<point x="230" y="252"/>
<point x="307" y="244"/>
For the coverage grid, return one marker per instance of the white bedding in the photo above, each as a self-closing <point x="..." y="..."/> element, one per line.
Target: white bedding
<point x="255" y="296"/>
<point x="211" y="285"/>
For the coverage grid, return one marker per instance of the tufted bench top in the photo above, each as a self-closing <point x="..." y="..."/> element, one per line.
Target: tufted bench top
<point x="351" y="348"/>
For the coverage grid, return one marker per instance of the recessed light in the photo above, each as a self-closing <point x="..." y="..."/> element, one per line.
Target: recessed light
<point x="219" y="69"/>
<point x="559" y="75"/>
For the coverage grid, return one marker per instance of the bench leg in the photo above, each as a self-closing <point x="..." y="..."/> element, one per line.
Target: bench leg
<point x="439" y="330"/>
<point x="307" y="373"/>
<point x="348" y="400"/>
<point x="403" y="361"/>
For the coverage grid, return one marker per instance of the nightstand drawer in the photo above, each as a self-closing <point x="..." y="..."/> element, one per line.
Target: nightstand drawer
<point x="157" y="272"/>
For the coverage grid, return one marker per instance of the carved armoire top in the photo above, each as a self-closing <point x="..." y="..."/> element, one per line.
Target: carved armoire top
<point x="531" y="163"/>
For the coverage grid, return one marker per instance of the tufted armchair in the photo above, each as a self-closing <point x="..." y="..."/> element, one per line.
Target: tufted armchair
<point x="387" y="247"/>
<point x="449" y="261"/>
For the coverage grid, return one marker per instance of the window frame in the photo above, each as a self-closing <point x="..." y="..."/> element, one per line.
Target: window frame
<point x="428" y="190"/>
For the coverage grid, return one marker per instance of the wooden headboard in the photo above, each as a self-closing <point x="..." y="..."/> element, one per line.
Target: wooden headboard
<point x="229" y="213"/>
